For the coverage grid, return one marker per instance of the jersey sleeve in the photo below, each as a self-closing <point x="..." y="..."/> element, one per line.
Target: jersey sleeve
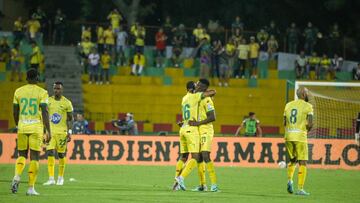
<point x="44" y="98"/>
<point x="209" y="105"/>
<point x="15" y="100"/>
<point x="69" y="108"/>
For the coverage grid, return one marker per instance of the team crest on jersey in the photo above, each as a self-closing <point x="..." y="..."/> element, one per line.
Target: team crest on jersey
<point x="56" y="118"/>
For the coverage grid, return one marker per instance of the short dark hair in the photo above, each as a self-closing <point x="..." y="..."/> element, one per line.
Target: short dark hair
<point x="58" y="83"/>
<point x="204" y="81"/>
<point x="251" y="113"/>
<point x="190" y="85"/>
<point x="32" y="74"/>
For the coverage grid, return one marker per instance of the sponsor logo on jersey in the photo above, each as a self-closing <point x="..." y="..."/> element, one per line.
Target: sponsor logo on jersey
<point x="56" y="118"/>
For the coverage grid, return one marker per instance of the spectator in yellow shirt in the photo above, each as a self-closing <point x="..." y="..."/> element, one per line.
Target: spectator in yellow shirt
<point x="33" y="26"/>
<point x="109" y="39"/>
<point x="243" y="55"/>
<point x="86" y="47"/>
<point x="139" y="34"/>
<point x="18" y="30"/>
<point x="15" y="62"/>
<point x="139" y="63"/>
<point x="230" y="51"/>
<point x="35" y="57"/>
<point x="197" y="32"/>
<point x="86" y="33"/>
<point x="254" y="55"/>
<point x="324" y="68"/>
<point x="105" y="64"/>
<point x="313" y="63"/>
<point x="100" y="38"/>
<point x="115" y="19"/>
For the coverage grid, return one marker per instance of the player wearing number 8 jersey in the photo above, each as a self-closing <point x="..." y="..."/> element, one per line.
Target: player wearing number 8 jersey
<point x="60" y="109"/>
<point x="30" y="115"/>
<point x="298" y="116"/>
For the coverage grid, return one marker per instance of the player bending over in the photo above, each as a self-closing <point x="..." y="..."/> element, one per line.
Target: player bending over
<point x="298" y="120"/>
<point x="61" y="110"/>
<point x="206" y="129"/>
<point x="31" y="115"/>
<point x="189" y="135"/>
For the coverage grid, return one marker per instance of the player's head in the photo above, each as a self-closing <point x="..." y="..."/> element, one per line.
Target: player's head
<point x="202" y="85"/>
<point x="252" y="115"/>
<point x="190" y="86"/>
<point x="129" y="116"/>
<point x="58" y="88"/>
<point x="303" y="93"/>
<point x="32" y="76"/>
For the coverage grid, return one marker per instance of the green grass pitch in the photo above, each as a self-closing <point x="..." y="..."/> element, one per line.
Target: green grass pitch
<point x="111" y="183"/>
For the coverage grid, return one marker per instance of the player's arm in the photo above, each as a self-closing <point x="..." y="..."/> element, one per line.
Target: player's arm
<point x="259" y="129"/>
<point x="239" y="129"/>
<point x="210" y="117"/>
<point x="46" y="120"/>
<point x="69" y="124"/>
<point x="309" y="124"/>
<point x="16" y="110"/>
<point x="208" y="93"/>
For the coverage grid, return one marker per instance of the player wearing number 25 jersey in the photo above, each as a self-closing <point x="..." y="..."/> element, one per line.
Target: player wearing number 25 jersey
<point x="30" y="115"/>
<point x="298" y="116"/>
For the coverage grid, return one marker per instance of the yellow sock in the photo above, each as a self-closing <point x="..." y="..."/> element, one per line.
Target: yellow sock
<point x="19" y="165"/>
<point x="188" y="168"/>
<point x="301" y="177"/>
<point x="33" y="171"/>
<point x="62" y="162"/>
<point x="211" y="170"/>
<point x="291" y="170"/>
<point x="51" y="166"/>
<point x="201" y="172"/>
<point x="179" y="167"/>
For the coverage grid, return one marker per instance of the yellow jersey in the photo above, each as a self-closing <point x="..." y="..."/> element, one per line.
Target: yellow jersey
<point x="15" y="55"/>
<point x="296" y="113"/>
<point x="86" y="47"/>
<point x="254" y="50"/>
<point x="100" y="35"/>
<point x="35" y="58"/>
<point x="206" y="105"/>
<point x="115" y="19"/>
<point x="18" y="26"/>
<point x="140" y="36"/>
<point x="243" y="51"/>
<point x="58" y="110"/>
<point x="198" y="32"/>
<point x="33" y="26"/>
<point x="86" y="34"/>
<point x="314" y="60"/>
<point x="29" y="97"/>
<point x="325" y="63"/>
<point x="190" y="107"/>
<point x="105" y="61"/>
<point x="109" y="37"/>
<point x="230" y="49"/>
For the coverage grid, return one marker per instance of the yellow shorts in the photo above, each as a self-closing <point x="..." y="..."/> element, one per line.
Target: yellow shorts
<point x="29" y="140"/>
<point x="297" y="150"/>
<point x="189" y="140"/>
<point x="58" y="142"/>
<point x="206" y="138"/>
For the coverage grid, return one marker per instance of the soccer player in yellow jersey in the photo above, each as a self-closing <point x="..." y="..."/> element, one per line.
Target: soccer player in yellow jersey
<point x="206" y="129"/>
<point x="189" y="135"/>
<point x="298" y="120"/>
<point x="61" y="110"/>
<point x="31" y="115"/>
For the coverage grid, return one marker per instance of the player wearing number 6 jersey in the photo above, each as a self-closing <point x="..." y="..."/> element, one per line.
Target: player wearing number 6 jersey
<point x="60" y="109"/>
<point x="298" y="120"/>
<point x="30" y="115"/>
<point x="189" y="135"/>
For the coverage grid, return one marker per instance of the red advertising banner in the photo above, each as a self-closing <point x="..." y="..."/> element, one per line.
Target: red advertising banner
<point x="226" y="151"/>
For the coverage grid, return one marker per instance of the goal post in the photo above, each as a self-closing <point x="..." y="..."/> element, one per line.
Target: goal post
<point x="336" y="108"/>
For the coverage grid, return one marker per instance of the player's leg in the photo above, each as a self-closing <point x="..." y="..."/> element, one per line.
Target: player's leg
<point x="291" y="166"/>
<point x="61" y="149"/>
<point x="50" y="152"/>
<point x="22" y="145"/>
<point x="190" y="165"/>
<point x="35" y="141"/>
<point x="201" y="173"/>
<point x="302" y="154"/>
<point x="206" y="142"/>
